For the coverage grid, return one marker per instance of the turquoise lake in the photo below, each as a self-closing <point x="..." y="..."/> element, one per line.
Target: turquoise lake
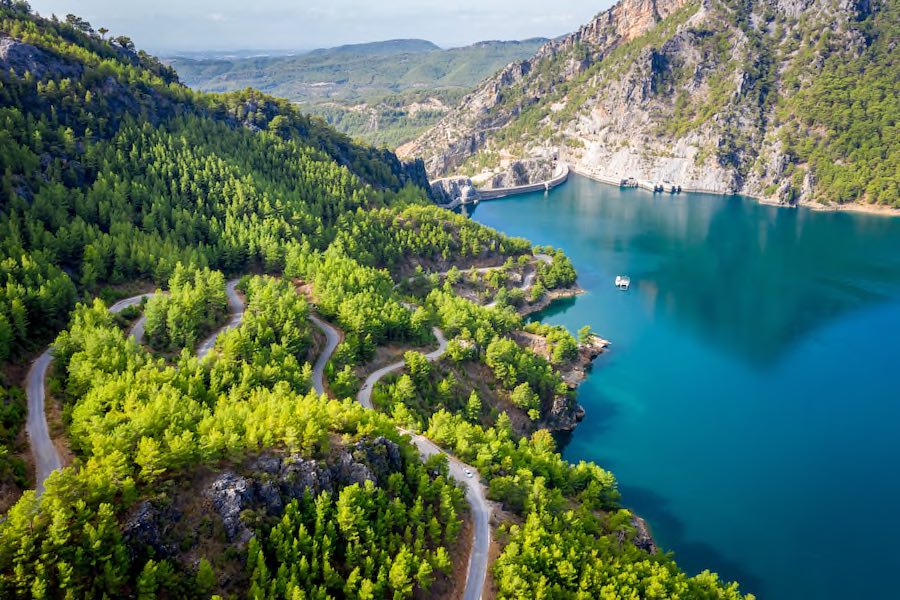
<point x="750" y="403"/>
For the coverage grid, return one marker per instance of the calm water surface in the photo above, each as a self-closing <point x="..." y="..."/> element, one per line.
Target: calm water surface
<point x="750" y="404"/>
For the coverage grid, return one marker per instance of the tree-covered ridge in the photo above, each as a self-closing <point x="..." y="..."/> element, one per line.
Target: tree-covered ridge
<point x="213" y="453"/>
<point x="421" y="236"/>
<point x="137" y="422"/>
<point x="93" y="82"/>
<point x="357" y="73"/>
<point x="113" y="171"/>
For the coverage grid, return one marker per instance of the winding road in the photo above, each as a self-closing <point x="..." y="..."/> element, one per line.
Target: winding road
<point x="468" y="476"/>
<point x="481" y="515"/>
<point x="332" y="339"/>
<point x="46" y="456"/>
<point x="365" y="392"/>
<point x="481" y="511"/>
<point x="236" y="315"/>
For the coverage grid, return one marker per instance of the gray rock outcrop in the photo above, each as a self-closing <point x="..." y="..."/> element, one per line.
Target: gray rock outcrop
<point x="230" y="494"/>
<point x="522" y="172"/>
<point x="564" y="414"/>
<point x="264" y="484"/>
<point x="22" y="58"/>
<point x="454" y="191"/>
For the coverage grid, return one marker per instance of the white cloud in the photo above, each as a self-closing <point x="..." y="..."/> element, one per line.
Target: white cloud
<point x="217" y="17"/>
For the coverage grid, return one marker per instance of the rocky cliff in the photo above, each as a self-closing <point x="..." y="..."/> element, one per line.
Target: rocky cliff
<point x="788" y="100"/>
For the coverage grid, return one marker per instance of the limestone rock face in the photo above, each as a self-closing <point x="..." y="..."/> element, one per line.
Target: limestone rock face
<point x="658" y="91"/>
<point x="522" y="172"/>
<point x="564" y="414"/>
<point x="453" y="190"/>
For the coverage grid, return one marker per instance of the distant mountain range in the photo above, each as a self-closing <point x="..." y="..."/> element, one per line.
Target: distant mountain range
<point x="791" y="101"/>
<point x="385" y="92"/>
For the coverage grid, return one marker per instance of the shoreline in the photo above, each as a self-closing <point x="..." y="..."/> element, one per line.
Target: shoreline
<point x="575" y="375"/>
<point x="575" y="372"/>
<point x="549" y="298"/>
<point x="868" y="209"/>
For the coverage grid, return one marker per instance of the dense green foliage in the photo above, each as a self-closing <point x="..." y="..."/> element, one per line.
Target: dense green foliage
<point x="136" y="421"/>
<point x="114" y="173"/>
<point x="195" y="303"/>
<point x="479" y="333"/>
<point x="12" y="418"/>
<point x="35" y="299"/>
<point x="842" y="123"/>
<point x="361" y="299"/>
<point x="271" y="344"/>
<point x="423" y="236"/>
<point x="526" y="375"/>
<point x="386" y="541"/>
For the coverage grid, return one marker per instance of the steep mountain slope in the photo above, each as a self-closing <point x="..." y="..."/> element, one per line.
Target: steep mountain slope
<point x="112" y="171"/>
<point x="788" y="100"/>
<point x="383" y="92"/>
<point x="227" y="474"/>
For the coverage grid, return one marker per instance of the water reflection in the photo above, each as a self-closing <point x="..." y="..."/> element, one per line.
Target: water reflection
<point x="749" y="400"/>
<point x="753" y="279"/>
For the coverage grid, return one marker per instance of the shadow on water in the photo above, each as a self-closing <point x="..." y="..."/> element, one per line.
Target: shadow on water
<point x="692" y="556"/>
<point x="737" y="288"/>
<point x="751" y="279"/>
<point x="557" y="307"/>
<point x="598" y="421"/>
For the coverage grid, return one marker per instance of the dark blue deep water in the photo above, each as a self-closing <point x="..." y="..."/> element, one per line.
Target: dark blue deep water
<point x="750" y="403"/>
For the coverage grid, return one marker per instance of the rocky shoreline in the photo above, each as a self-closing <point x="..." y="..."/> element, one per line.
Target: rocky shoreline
<point x="566" y="416"/>
<point x="566" y="412"/>
<point x="869" y="209"/>
<point x="549" y="298"/>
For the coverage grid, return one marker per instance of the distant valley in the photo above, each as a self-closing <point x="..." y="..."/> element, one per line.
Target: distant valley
<point x="385" y="93"/>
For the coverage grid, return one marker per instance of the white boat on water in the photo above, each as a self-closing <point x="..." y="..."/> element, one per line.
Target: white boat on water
<point x="623" y="282"/>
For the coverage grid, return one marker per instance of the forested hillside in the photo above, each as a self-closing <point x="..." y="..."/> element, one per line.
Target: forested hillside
<point x="793" y="102"/>
<point x="384" y="92"/>
<point x="228" y="475"/>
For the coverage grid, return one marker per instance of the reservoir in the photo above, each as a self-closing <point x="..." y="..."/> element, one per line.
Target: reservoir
<point x="749" y="405"/>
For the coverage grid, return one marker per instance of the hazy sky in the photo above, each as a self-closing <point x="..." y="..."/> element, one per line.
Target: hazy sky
<point x="167" y="25"/>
